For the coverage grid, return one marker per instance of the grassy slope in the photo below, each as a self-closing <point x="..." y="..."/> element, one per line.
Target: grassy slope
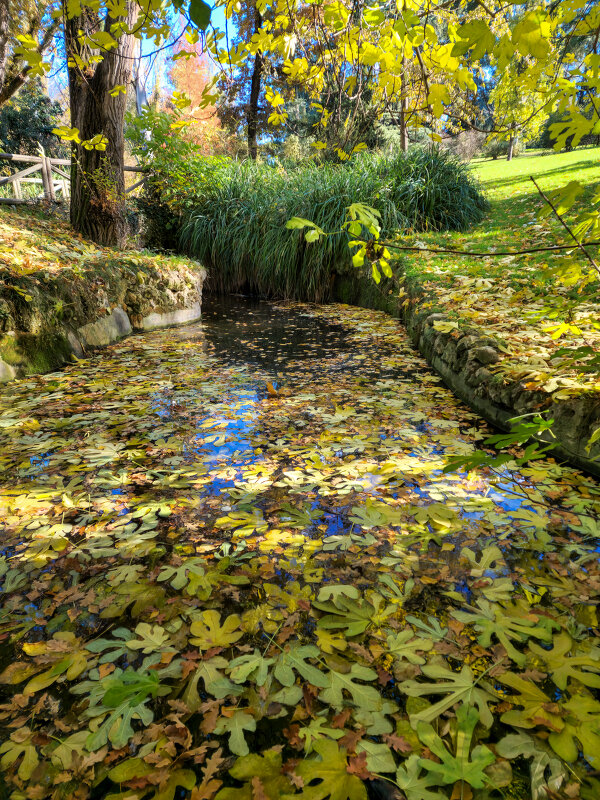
<point x="503" y="296"/>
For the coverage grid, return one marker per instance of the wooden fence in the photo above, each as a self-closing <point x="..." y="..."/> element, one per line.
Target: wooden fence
<point x="54" y="180"/>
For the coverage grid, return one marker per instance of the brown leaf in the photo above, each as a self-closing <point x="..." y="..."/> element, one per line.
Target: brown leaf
<point x="357" y="765"/>
<point x="397" y="743"/>
<point x="340" y="720"/>
<point x="383" y="677"/>
<point x="213" y="765"/>
<point x="258" y="790"/>
<point x="291" y="734"/>
<point x="461" y="791"/>
<point x="351" y="739"/>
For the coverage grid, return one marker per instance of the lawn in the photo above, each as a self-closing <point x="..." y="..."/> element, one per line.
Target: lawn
<point x="514" y="298"/>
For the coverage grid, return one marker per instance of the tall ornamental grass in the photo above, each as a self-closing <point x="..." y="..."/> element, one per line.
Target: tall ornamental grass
<point x="236" y="223"/>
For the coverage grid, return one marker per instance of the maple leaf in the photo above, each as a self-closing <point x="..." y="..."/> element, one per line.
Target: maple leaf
<point x="267" y="768"/>
<point x="463" y="766"/>
<point x="330" y="768"/>
<point x="365" y="698"/>
<point x="460" y="687"/>
<point x="208" y="632"/>
<point x="543" y="761"/>
<point x="415" y="786"/>
<point x="507" y="623"/>
<point x="294" y="659"/>
<point x="537" y="709"/>
<point x="580" y="666"/>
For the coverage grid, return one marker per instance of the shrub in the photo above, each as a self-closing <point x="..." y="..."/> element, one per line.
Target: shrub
<point x="231" y="215"/>
<point x="497" y="148"/>
<point x="237" y="225"/>
<point x="466" y="144"/>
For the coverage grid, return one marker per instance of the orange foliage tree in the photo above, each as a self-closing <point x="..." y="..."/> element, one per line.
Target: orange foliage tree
<point x="189" y="75"/>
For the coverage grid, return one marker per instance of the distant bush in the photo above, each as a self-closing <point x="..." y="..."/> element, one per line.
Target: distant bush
<point x="236" y="222"/>
<point x="466" y="144"/>
<point x="27" y="121"/>
<point x="498" y="148"/>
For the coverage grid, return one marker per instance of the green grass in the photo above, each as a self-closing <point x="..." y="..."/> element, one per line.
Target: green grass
<point x="517" y="299"/>
<point x="237" y="227"/>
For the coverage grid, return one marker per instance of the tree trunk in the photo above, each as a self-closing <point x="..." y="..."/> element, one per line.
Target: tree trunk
<point x="97" y="176"/>
<point x="511" y="145"/>
<point x="252" y="118"/>
<point x="4" y="38"/>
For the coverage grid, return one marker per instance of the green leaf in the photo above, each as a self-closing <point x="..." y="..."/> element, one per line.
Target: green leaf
<point x="235" y="725"/>
<point x="352" y="616"/>
<point x="152" y="638"/>
<point x="507" y="623"/>
<point x="199" y="12"/>
<point x="294" y="659"/>
<point x="581" y="666"/>
<point x="267" y="768"/>
<point x="537" y="709"/>
<point x="404" y="646"/>
<point x="318" y="729"/>
<point x="460" y="687"/>
<point x="581" y="725"/>
<point x="330" y="769"/>
<point x="242" y="667"/>
<point x="366" y="698"/>
<point x="379" y="756"/>
<point x="215" y="683"/>
<point x="464" y="766"/>
<point x="544" y="762"/>
<point x="20" y="746"/>
<point x="415" y="787"/>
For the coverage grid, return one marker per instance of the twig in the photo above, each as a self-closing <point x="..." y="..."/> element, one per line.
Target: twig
<point x="566" y="227"/>
<point x="490" y="254"/>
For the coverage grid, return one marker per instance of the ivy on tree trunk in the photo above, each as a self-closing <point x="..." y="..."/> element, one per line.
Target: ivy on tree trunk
<point x="98" y="109"/>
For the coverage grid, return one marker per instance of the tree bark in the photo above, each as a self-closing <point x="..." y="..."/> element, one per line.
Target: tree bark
<point x="4" y="38"/>
<point x="511" y="146"/>
<point x="97" y="176"/>
<point x="252" y="118"/>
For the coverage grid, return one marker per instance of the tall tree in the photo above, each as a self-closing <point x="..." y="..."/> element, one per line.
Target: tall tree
<point x="97" y="92"/>
<point x="27" y="30"/>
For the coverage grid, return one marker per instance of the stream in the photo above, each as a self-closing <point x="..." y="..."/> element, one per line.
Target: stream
<point x="268" y="484"/>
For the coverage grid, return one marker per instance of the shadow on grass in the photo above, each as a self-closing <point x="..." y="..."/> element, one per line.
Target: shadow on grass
<point x="521" y="177"/>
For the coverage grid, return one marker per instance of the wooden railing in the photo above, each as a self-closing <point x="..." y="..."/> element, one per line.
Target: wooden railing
<point x="54" y="180"/>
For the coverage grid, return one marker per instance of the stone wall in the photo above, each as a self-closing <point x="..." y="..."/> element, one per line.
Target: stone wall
<point x="464" y="358"/>
<point x="45" y="318"/>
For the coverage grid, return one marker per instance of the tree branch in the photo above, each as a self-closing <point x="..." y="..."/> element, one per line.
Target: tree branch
<point x="566" y="227"/>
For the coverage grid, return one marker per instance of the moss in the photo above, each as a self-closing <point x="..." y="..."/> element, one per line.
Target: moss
<point x="359" y="289"/>
<point x="9" y="350"/>
<point x="43" y="352"/>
